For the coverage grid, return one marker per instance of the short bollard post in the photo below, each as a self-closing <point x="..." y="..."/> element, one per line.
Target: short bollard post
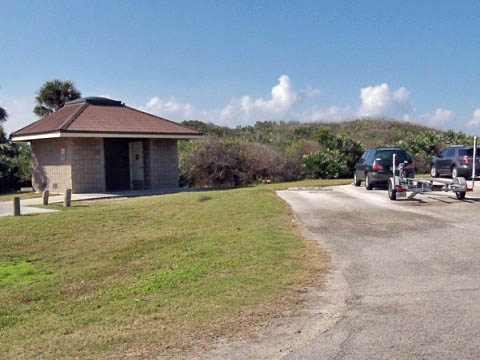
<point x="67" y="200"/>
<point x="16" y="206"/>
<point x="45" y="195"/>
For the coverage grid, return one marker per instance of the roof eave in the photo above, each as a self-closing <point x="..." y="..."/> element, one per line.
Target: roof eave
<point x="64" y="134"/>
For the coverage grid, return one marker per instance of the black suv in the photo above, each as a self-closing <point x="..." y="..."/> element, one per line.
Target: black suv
<point x="455" y="161"/>
<point x="375" y="166"/>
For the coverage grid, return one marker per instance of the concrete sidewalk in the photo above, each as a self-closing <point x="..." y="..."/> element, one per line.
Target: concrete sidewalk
<point x="6" y="207"/>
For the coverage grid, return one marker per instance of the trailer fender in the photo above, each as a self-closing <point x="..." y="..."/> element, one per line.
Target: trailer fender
<point x="460" y="181"/>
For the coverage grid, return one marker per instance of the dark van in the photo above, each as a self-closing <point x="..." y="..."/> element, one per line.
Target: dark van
<point x="455" y="161"/>
<point x="375" y="166"/>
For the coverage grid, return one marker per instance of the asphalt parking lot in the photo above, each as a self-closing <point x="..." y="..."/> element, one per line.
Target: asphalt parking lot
<point x="412" y="268"/>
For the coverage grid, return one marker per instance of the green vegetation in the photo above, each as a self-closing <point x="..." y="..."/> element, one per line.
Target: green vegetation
<point x="335" y="159"/>
<point x="17" y="274"/>
<point x="15" y="157"/>
<point x="294" y="141"/>
<point x="14" y="160"/>
<point x="53" y="95"/>
<point x="137" y="276"/>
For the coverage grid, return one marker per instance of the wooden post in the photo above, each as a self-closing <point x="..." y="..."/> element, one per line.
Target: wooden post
<point x="45" y="195"/>
<point x="16" y="206"/>
<point x="67" y="200"/>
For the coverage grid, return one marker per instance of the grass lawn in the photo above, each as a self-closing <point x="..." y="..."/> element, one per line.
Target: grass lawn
<point x="422" y="176"/>
<point x="137" y="277"/>
<point x="23" y="195"/>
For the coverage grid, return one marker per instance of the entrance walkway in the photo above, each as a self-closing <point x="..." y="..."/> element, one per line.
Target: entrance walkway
<point x="6" y="207"/>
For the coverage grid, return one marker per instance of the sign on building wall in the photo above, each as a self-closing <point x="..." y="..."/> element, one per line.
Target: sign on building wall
<point x="62" y="152"/>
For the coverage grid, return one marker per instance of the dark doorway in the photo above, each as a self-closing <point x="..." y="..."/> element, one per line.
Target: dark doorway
<point x="117" y="164"/>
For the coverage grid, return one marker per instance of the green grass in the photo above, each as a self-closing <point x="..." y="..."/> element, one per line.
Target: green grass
<point x="422" y="176"/>
<point x="22" y="195"/>
<point x="131" y="277"/>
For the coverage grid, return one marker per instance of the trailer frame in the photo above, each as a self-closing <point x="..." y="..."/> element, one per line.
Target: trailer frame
<point x="399" y="185"/>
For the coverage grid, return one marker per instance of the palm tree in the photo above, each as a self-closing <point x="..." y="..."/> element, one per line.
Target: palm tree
<point x="3" y="115"/>
<point x="3" y="136"/>
<point x="53" y="95"/>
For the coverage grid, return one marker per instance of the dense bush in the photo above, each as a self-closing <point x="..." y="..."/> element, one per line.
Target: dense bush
<point x="295" y="140"/>
<point x="227" y="162"/>
<point x="14" y="164"/>
<point x="326" y="164"/>
<point x="336" y="158"/>
<point x="423" y="146"/>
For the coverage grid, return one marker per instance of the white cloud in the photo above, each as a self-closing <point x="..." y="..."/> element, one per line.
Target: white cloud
<point x="171" y="109"/>
<point x="243" y="110"/>
<point x="248" y="110"/>
<point x="439" y="117"/>
<point x="379" y="100"/>
<point x="310" y="92"/>
<point x="285" y="104"/>
<point x="475" y="121"/>
<point x="20" y="112"/>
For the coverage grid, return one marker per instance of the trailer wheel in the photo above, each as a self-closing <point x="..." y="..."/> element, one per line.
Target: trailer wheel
<point x="392" y="193"/>
<point x="461" y="181"/>
<point x="460" y="195"/>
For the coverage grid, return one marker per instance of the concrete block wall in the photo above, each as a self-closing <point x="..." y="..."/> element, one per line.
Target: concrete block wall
<point x="88" y="165"/>
<point x="83" y="168"/>
<point x="49" y="170"/>
<point x="147" y="163"/>
<point x="163" y="163"/>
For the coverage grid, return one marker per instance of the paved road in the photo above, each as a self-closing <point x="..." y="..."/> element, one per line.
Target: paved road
<point x="412" y="269"/>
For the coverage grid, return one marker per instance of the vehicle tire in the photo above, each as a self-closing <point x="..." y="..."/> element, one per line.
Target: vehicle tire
<point x="356" y="182"/>
<point x="368" y="182"/>
<point x="461" y="181"/>
<point x="460" y="195"/>
<point x="434" y="172"/>
<point x="454" y="172"/>
<point x="392" y="193"/>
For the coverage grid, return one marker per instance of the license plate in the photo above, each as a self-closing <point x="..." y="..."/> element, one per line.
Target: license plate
<point x="401" y="194"/>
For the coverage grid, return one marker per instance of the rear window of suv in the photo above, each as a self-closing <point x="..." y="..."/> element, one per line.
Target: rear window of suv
<point x="387" y="155"/>
<point x="467" y="152"/>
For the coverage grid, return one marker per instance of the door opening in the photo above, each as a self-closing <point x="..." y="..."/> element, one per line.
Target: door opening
<point x="137" y="177"/>
<point x="117" y="167"/>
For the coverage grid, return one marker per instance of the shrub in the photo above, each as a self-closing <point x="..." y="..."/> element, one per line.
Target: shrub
<point x="423" y="146"/>
<point x="14" y="164"/>
<point x="336" y="158"/>
<point x="326" y="164"/>
<point x="229" y="162"/>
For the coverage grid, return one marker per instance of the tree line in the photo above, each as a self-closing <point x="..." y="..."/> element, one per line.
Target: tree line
<point x="264" y="152"/>
<point x="237" y="156"/>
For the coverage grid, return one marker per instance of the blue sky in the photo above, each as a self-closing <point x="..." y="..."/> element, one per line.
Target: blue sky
<point x="238" y="62"/>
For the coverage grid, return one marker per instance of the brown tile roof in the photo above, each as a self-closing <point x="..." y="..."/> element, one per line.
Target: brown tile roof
<point x="99" y="115"/>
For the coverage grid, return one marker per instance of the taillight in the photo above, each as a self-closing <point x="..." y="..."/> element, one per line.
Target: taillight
<point x="464" y="159"/>
<point x="411" y="166"/>
<point x="377" y="167"/>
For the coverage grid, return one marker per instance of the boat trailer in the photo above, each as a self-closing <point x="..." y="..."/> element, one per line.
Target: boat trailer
<point x="401" y="186"/>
